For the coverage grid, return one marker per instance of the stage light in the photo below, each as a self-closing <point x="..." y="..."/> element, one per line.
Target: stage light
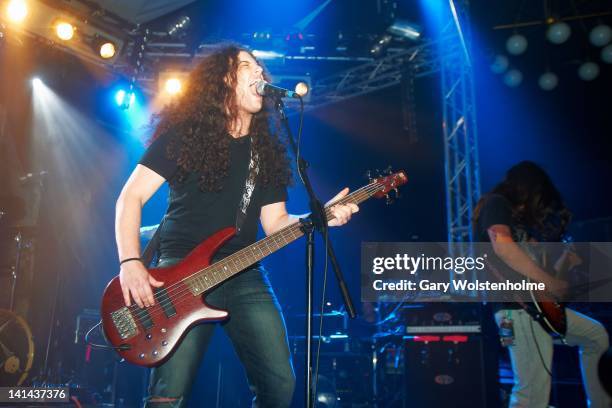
<point x="17" y="10"/>
<point x="513" y="78"/>
<point x="606" y="54"/>
<point x="179" y="27"/>
<point x="267" y="55"/>
<point x="516" y="44"/>
<point x="588" y="71"/>
<point x="36" y="81"/>
<point x="381" y="45"/>
<point x="558" y="33"/>
<point x="64" y="31"/>
<point x="173" y="86"/>
<point x="124" y="99"/>
<point x="405" y="29"/>
<point x="500" y="64"/>
<point x="548" y="81"/>
<point x="600" y="35"/>
<point x="301" y="89"/>
<point x="107" y="50"/>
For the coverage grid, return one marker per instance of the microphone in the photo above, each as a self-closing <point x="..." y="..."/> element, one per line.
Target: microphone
<point x="266" y="89"/>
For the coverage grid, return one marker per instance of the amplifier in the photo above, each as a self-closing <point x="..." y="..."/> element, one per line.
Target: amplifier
<point x="469" y="328"/>
<point x="437" y="355"/>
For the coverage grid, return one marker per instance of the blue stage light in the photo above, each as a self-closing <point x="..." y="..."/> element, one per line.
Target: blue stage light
<point x="124" y="99"/>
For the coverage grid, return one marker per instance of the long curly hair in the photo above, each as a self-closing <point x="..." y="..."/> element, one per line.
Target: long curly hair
<point x="198" y="125"/>
<point x="537" y="205"/>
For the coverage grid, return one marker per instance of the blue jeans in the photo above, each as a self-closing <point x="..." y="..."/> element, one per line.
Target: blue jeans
<point x="257" y="331"/>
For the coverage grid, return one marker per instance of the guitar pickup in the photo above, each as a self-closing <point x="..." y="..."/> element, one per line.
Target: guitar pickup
<point x="161" y="295"/>
<point x="145" y="318"/>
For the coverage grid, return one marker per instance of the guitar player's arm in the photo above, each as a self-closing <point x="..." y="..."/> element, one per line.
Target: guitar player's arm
<point x="275" y="217"/>
<point x="134" y="278"/>
<point x="511" y="254"/>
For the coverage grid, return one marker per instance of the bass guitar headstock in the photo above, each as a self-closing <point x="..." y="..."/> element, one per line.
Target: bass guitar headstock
<point x="389" y="183"/>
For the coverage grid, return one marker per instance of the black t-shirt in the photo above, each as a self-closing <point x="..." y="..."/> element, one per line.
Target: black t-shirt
<point x="194" y="215"/>
<point x="497" y="210"/>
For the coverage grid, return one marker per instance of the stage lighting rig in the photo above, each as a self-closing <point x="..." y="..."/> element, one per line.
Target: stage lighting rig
<point x="16" y="11"/>
<point x="380" y="45"/>
<point x="64" y="30"/>
<point x="302" y="89"/>
<point x="301" y="84"/>
<point x="104" y="47"/>
<point x="107" y="50"/>
<point x="173" y="86"/>
<point x="172" y="83"/>
<point x="125" y="99"/>
<point x="73" y="27"/>
<point x="404" y="29"/>
<point x="179" y="28"/>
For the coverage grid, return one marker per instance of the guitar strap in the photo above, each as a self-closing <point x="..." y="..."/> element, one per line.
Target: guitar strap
<point x="247" y="193"/>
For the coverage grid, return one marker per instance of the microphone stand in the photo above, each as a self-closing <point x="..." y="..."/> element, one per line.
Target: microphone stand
<point x="317" y="220"/>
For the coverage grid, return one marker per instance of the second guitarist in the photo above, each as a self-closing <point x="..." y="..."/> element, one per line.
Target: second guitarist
<point x="527" y="206"/>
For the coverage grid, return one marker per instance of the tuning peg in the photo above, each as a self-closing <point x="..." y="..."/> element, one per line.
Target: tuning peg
<point x="369" y="175"/>
<point x="389" y="170"/>
<point x="388" y="199"/>
<point x="397" y="194"/>
<point x="377" y="172"/>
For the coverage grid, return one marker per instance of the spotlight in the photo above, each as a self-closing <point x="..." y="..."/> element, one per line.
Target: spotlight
<point x="516" y="44"/>
<point x="600" y="35"/>
<point x="179" y="28"/>
<point x="513" y="78"/>
<point x="301" y="89"/>
<point x="124" y="99"/>
<point x="107" y="50"/>
<point x="267" y="55"/>
<point x="36" y="81"/>
<point x="381" y="45"/>
<point x="17" y="10"/>
<point x="405" y="29"/>
<point x="173" y="86"/>
<point x="64" y="30"/>
<point x="588" y="71"/>
<point x="558" y="32"/>
<point x="548" y="81"/>
<point x="500" y="64"/>
<point x="172" y="82"/>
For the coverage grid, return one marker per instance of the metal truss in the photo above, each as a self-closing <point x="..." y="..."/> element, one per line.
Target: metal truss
<point x="449" y="56"/>
<point x="461" y="162"/>
<point x="374" y="75"/>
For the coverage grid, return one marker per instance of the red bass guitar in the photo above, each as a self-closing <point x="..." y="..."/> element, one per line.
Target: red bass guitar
<point x="148" y="336"/>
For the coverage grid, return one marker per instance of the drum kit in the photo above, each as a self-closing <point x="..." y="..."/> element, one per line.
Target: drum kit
<point x="16" y="344"/>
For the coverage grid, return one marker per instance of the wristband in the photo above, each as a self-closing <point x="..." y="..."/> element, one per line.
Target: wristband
<point x="128" y="260"/>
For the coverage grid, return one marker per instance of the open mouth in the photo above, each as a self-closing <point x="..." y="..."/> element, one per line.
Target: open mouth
<point x="253" y="87"/>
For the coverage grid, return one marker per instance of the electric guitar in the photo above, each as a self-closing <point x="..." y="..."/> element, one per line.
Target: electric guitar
<point x="545" y="308"/>
<point x="148" y="336"/>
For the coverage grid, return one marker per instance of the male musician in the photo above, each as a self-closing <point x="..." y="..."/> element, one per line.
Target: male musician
<point x="524" y="207"/>
<point x="225" y="166"/>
